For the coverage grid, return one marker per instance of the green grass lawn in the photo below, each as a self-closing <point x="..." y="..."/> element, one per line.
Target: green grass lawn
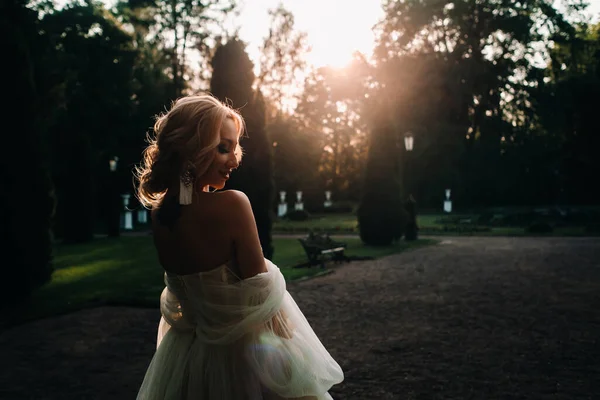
<point x="343" y="223"/>
<point x="125" y="271"/>
<point x="429" y="224"/>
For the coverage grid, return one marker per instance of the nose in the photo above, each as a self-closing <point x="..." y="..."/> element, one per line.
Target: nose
<point x="233" y="162"/>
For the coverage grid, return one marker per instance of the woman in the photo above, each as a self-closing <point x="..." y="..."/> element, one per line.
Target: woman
<point x="229" y="328"/>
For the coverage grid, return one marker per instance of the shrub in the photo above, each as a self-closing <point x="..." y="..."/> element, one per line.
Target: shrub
<point x="381" y="215"/>
<point x="448" y="219"/>
<point x="485" y="218"/>
<point x="463" y="229"/>
<point x="297" y="215"/>
<point x="382" y="220"/>
<point x="576" y="217"/>
<point x="539" y="227"/>
<point x="592" y="228"/>
<point x="515" y="219"/>
<point x="341" y="207"/>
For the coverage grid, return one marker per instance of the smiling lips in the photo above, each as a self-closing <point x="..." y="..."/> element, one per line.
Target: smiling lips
<point x="225" y="174"/>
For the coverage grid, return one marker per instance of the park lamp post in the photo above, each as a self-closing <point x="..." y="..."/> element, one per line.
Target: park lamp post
<point x="112" y="164"/>
<point x="113" y="213"/>
<point x="409" y="141"/>
<point x="410" y="205"/>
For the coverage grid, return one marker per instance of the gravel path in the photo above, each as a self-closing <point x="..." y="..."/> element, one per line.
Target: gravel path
<point x="471" y="318"/>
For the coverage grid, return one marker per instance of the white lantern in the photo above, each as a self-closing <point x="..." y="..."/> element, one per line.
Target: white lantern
<point x="299" y="204"/>
<point x="112" y="164"/>
<point x="409" y="141"/>
<point x="448" y="202"/>
<point x="328" y="203"/>
<point x="127" y="217"/>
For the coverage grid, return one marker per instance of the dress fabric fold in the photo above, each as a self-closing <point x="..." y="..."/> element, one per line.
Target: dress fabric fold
<point x="226" y="338"/>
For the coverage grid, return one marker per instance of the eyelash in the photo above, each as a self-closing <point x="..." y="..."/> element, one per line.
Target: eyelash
<point x="223" y="150"/>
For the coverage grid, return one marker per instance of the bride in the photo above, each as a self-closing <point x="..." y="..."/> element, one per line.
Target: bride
<point x="229" y="329"/>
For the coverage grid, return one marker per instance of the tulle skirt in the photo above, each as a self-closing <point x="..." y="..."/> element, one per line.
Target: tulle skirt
<point x="281" y="358"/>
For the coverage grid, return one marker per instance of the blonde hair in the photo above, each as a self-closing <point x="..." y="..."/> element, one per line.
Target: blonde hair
<point x="185" y="139"/>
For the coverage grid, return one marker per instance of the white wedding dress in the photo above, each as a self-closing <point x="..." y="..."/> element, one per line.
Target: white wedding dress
<point x="224" y="338"/>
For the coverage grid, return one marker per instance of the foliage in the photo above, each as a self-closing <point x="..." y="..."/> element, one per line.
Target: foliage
<point x="281" y="60"/>
<point x="593" y="228"/>
<point x="502" y="223"/>
<point x="100" y="87"/>
<point x="97" y="92"/>
<point x="539" y="227"/>
<point x="296" y="158"/>
<point x="568" y="100"/>
<point x="27" y="203"/>
<point x="341" y="207"/>
<point x="297" y="215"/>
<point x="329" y="113"/>
<point x="232" y="81"/>
<point x="501" y="98"/>
<point x="331" y="223"/>
<point x="183" y="26"/>
<point x="381" y="215"/>
<point x="281" y="64"/>
<point x="462" y="74"/>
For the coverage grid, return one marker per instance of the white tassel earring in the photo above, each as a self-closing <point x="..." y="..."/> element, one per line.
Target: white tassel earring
<point x="186" y="188"/>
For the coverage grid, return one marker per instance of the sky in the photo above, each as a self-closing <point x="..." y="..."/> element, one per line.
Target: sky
<point x="335" y="28"/>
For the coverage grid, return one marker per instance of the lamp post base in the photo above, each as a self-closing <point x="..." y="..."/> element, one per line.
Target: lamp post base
<point x="411" y="231"/>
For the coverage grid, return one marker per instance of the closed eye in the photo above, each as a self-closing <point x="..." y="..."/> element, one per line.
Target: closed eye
<point x="223" y="149"/>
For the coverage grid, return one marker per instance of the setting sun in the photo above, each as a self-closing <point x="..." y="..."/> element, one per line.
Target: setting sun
<point x="335" y="28"/>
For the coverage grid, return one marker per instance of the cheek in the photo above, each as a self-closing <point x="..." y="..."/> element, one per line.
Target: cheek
<point x="219" y="161"/>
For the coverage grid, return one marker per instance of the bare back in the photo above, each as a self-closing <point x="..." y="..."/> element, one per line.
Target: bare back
<point x="200" y="239"/>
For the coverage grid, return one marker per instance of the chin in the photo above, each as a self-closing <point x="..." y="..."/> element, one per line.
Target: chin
<point x="218" y="186"/>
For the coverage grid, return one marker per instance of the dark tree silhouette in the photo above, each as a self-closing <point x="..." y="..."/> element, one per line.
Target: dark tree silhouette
<point x="26" y="203"/>
<point x="381" y="214"/>
<point x="232" y="82"/>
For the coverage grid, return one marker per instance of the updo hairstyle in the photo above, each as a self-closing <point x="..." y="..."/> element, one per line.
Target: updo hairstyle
<point x="185" y="139"/>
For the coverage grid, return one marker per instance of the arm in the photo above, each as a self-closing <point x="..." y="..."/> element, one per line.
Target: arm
<point x="245" y="235"/>
<point x="249" y="252"/>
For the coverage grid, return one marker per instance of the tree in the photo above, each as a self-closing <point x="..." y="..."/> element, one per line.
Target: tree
<point x="152" y="88"/>
<point x="381" y="215"/>
<point x="296" y="157"/>
<point x="93" y="58"/>
<point x="27" y="204"/>
<point x="568" y="100"/>
<point x="331" y="112"/>
<point x="483" y="52"/>
<point x="281" y="60"/>
<point x="281" y="65"/>
<point x="232" y="82"/>
<point x="183" y="26"/>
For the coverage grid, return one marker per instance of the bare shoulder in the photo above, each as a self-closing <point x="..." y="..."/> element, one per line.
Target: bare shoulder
<point x="244" y="233"/>
<point x="235" y="202"/>
<point x="234" y="197"/>
<point x="237" y="211"/>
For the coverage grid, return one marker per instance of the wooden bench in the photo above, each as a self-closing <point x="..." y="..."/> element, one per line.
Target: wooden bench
<point x="318" y="247"/>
